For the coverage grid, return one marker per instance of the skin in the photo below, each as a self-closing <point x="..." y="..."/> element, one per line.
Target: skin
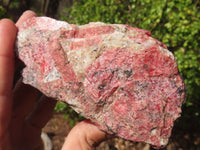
<point x="22" y="114"/>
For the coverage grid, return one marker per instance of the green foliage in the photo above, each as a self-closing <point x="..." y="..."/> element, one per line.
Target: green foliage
<point x="60" y="106"/>
<point x="108" y="11"/>
<point x="15" y="4"/>
<point x="69" y="113"/>
<point x="176" y="23"/>
<point x="2" y="12"/>
<point x="189" y="67"/>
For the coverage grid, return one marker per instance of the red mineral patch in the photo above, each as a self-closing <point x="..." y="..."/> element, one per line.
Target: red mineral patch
<point x="88" y="32"/>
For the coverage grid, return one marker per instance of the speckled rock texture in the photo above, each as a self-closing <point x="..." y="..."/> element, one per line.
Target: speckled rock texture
<point x="119" y="77"/>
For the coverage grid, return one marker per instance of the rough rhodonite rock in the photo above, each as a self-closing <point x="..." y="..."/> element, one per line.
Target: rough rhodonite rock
<point x="119" y="77"/>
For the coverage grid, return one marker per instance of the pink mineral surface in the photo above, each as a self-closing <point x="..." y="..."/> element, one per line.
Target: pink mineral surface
<point x="119" y="77"/>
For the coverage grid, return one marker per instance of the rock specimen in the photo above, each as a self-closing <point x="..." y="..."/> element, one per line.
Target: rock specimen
<point x="119" y="77"/>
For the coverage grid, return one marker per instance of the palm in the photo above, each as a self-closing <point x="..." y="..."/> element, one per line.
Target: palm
<point x="28" y="117"/>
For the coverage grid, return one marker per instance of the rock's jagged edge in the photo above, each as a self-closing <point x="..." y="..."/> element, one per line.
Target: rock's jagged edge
<point x="117" y="76"/>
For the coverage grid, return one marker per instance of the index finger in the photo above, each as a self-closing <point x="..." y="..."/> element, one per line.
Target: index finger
<point x="8" y="32"/>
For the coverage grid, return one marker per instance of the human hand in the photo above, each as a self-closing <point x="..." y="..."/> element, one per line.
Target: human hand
<point x="22" y="116"/>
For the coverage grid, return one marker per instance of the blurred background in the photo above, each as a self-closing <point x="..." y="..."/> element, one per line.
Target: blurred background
<point x="174" y="22"/>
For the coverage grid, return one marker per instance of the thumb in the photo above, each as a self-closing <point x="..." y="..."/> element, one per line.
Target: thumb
<point x="84" y="136"/>
<point x="8" y="32"/>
